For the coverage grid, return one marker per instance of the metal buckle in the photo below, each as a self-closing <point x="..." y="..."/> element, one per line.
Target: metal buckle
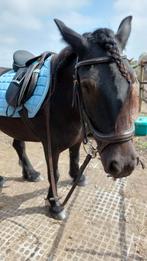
<point x="36" y="70"/>
<point x="18" y="81"/>
<point x="92" y="151"/>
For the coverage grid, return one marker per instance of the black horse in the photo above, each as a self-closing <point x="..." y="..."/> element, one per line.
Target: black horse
<point x="93" y="67"/>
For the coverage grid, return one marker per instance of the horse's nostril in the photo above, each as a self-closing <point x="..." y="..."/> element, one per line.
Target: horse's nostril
<point x="130" y="167"/>
<point x="114" y="167"/>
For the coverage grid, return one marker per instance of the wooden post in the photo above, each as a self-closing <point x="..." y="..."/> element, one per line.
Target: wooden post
<point x="141" y="85"/>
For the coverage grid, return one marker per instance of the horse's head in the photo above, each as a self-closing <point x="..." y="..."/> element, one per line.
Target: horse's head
<point x="108" y="93"/>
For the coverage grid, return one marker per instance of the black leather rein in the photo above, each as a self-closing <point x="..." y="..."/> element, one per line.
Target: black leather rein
<point x="103" y="140"/>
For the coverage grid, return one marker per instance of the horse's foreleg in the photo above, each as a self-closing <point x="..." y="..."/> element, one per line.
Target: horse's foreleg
<point x="74" y="163"/>
<point x="56" y="209"/>
<point x="29" y="173"/>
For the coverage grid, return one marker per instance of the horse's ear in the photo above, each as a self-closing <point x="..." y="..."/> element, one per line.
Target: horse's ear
<point x="74" y="39"/>
<point x="124" y="31"/>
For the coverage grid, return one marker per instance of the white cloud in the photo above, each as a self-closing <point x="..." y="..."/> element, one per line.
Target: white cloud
<point x="138" y="40"/>
<point x="135" y="6"/>
<point x="8" y="40"/>
<point x="24" y="21"/>
<point x="44" y="7"/>
<point x="74" y="19"/>
<point x="28" y="24"/>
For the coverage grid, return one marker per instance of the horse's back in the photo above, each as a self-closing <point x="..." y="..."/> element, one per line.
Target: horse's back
<point x="4" y="70"/>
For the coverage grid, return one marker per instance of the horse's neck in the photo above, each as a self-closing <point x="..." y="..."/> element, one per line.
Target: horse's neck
<point x="63" y="71"/>
<point x="63" y="91"/>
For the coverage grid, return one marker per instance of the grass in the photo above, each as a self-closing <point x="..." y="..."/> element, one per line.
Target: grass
<point x="141" y="142"/>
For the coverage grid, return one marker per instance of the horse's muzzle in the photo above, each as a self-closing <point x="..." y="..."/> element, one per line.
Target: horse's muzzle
<point x="119" y="160"/>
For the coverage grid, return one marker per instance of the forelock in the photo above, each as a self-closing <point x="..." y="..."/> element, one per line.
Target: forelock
<point x="103" y="37"/>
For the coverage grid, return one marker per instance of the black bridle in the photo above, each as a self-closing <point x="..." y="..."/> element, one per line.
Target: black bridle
<point x="103" y="140"/>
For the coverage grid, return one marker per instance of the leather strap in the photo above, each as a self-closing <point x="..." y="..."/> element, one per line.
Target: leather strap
<point x="28" y="123"/>
<point x="49" y="153"/>
<point x="105" y="59"/>
<point x="31" y="77"/>
<point x="81" y="170"/>
<point x="93" y="61"/>
<point x="48" y="136"/>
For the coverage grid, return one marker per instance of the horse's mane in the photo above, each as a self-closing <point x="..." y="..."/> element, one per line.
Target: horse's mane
<point x="65" y="57"/>
<point x="106" y="39"/>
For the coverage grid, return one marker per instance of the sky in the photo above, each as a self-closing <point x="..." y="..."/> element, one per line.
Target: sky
<point x="29" y="24"/>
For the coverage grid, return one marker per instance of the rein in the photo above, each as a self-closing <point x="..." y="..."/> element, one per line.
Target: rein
<point x="103" y="140"/>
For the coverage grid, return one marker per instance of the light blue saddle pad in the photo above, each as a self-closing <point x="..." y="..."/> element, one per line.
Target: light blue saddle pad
<point x="34" y="103"/>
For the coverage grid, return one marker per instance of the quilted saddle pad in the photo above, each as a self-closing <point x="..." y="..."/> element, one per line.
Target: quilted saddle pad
<point x="34" y="103"/>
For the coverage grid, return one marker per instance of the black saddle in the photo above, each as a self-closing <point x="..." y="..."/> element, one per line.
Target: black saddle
<point x="22" y="58"/>
<point x="27" y="67"/>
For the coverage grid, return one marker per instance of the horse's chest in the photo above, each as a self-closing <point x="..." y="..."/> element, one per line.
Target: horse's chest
<point x="67" y="136"/>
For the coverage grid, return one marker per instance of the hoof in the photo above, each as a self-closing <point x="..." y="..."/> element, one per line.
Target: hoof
<point x="32" y="176"/>
<point x="58" y="216"/>
<point x="82" y="182"/>
<point x="57" y="211"/>
<point x="2" y="181"/>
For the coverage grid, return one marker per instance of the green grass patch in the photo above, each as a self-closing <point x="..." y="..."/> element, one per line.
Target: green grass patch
<point x="142" y="143"/>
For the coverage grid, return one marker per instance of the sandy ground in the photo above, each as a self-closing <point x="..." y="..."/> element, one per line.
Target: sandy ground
<point x="107" y="220"/>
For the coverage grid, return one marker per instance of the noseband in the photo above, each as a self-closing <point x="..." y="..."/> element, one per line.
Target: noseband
<point x="103" y="140"/>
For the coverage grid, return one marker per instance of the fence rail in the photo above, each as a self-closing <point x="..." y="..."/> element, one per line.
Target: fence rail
<point x="143" y="83"/>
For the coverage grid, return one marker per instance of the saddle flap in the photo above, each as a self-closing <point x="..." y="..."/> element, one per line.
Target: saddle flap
<point x="14" y="88"/>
